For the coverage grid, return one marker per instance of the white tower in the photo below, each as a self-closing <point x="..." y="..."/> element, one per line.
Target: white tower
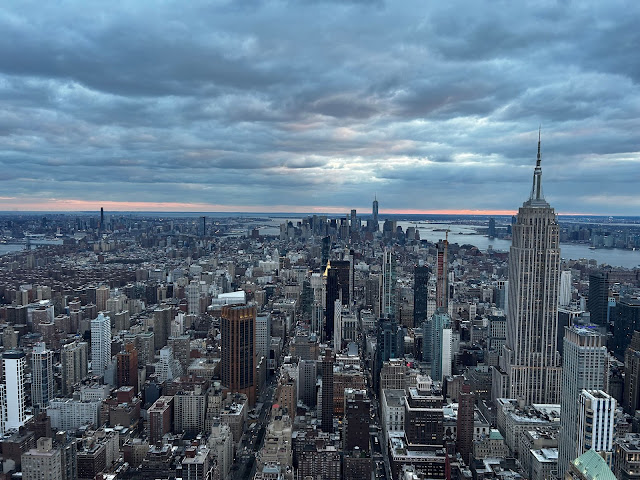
<point x="14" y="405"/>
<point x="565" y="288"/>
<point x="584" y="367"/>
<point x="531" y="356"/>
<point x="193" y="297"/>
<point x="100" y="344"/>
<point x="337" y="326"/>
<point x="596" y="419"/>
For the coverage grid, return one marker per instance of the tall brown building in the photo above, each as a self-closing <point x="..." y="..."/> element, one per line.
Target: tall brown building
<point x="465" y="427"/>
<point x="127" y="367"/>
<point x="160" y="419"/>
<point x="357" y="411"/>
<point x="238" y="326"/>
<point x="327" y="392"/>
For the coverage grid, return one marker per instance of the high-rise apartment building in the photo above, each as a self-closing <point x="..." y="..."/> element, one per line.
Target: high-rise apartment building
<point x="531" y="356"/>
<point x="74" y="358"/>
<point x="160" y="418"/>
<point x="42" y="386"/>
<point x="238" y="325"/>
<point x="12" y="393"/>
<point x="585" y="367"/>
<point x="420" y="294"/>
<point x="188" y="411"/>
<point x="102" y="295"/>
<point x="100" y="344"/>
<point x="127" y="367"/>
<point x="441" y="338"/>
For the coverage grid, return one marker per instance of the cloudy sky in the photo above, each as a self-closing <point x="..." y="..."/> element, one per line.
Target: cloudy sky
<point x="318" y="105"/>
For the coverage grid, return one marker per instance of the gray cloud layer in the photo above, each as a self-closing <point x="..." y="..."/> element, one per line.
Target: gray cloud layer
<point x="431" y="105"/>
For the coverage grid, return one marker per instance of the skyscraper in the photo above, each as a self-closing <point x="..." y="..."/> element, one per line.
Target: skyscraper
<point x="162" y="318"/>
<point x="596" y="416"/>
<point x="100" y="344"/>
<point x="41" y="375"/>
<point x="441" y="337"/>
<point x="238" y="325"/>
<point x="598" y="300"/>
<point x="631" y="398"/>
<point x="584" y="368"/>
<point x="565" y="288"/>
<point x="102" y="295"/>
<point x="336" y="276"/>
<point x="326" y="420"/>
<point x="374" y="215"/>
<point x="74" y="365"/>
<point x="193" y="297"/>
<point x="465" y="423"/>
<point x="388" y="297"/>
<point x="12" y="393"/>
<point x="127" y="367"/>
<point x="491" y="232"/>
<point x="442" y="281"/>
<point x="337" y="325"/>
<point x="420" y="294"/>
<point x="357" y="416"/>
<point x="307" y="373"/>
<point x="531" y="356"/>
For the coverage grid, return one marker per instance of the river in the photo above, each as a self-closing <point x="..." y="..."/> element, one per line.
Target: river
<point x="462" y="234"/>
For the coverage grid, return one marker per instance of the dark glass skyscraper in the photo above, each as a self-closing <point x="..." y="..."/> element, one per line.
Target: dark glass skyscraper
<point x="337" y="276"/>
<point x="326" y="421"/>
<point x="598" y="300"/>
<point x="374" y="215"/>
<point x="420" y="294"/>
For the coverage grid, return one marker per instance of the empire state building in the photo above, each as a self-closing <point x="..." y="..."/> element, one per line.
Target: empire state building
<point x="530" y="354"/>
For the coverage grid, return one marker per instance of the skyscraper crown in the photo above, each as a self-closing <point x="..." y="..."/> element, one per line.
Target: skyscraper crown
<point x="536" y="198"/>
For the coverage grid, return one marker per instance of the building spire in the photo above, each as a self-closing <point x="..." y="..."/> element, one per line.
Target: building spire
<point x="536" y="191"/>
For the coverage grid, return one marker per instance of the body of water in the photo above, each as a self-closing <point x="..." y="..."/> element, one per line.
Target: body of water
<point x="16" y="247"/>
<point x="4" y="248"/>
<point x="462" y="234"/>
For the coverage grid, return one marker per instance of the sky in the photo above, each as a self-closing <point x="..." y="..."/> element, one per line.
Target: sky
<point x="318" y="106"/>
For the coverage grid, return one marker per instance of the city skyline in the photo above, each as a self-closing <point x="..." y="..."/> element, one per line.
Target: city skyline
<point x="303" y="107"/>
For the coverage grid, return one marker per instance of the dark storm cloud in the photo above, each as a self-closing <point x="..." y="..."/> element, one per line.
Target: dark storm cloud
<point x="431" y="106"/>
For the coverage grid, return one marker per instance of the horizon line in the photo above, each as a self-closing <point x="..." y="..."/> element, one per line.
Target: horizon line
<point x="466" y="212"/>
<point x="16" y="205"/>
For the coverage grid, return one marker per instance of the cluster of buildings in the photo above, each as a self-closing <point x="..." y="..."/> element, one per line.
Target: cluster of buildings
<point x="335" y="348"/>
